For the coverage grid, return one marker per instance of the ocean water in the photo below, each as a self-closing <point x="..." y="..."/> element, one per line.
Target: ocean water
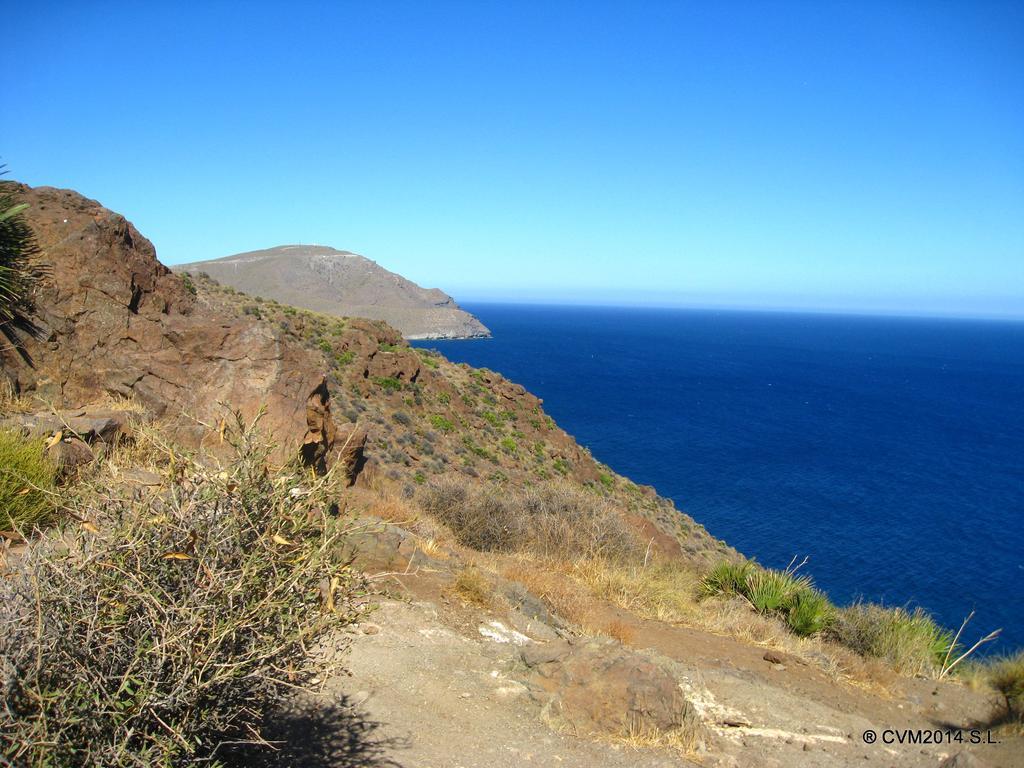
<point x="890" y="451"/>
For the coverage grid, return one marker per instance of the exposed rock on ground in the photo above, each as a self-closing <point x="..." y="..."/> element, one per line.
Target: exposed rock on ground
<point x="602" y="687"/>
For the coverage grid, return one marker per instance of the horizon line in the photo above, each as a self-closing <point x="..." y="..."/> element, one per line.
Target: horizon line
<point x="908" y="314"/>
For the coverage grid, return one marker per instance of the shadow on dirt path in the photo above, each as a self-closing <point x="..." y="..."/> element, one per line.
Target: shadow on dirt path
<point x="335" y="736"/>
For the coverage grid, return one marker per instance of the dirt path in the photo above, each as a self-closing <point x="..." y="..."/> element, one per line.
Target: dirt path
<point x="449" y="701"/>
<point x="447" y="686"/>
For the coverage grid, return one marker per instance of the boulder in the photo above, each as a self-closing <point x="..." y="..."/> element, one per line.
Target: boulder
<point x="350" y="453"/>
<point x="403" y="365"/>
<point x="70" y="454"/>
<point x="600" y="687"/>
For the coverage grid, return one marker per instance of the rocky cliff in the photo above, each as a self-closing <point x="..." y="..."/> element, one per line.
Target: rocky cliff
<point x="117" y="322"/>
<point x="341" y="283"/>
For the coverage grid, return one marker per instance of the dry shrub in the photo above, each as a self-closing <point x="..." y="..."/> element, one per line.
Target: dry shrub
<point x="565" y="522"/>
<point x="473" y="587"/>
<point x="161" y="627"/>
<point x="556" y="520"/>
<point x="480" y="518"/>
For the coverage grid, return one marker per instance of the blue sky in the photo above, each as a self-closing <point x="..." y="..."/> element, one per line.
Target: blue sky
<point x="865" y="155"/>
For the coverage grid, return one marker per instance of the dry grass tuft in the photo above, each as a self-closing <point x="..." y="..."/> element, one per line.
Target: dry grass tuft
<point x="662" y="591"/>
<point x="471" y="586"/>
<point x="553" y="584"/>
<point x="112" y="401"/>
<point x="684" y="740"/>
<point x="394" y="509"/>
<point x="617" y="629"/>
<point x="13" y="402"/>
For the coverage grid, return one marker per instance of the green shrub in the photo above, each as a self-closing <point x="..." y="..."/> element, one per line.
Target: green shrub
<point x="186" y="281"/>
<point x="726" y="578"/>
<point x="429" y="357"/>
<point x="910" y="641"/>
<point x="27" y="479"/>
<point x="344" y="358"/>
<point x="810" y="612"/>
<point x="440" y="423"/>
<point x="491" y="418"/>
<point x="508" y="445"/>
<point x="166" y="625"/>
<point x="388" y="383"/>
<point x="771" y="591"/>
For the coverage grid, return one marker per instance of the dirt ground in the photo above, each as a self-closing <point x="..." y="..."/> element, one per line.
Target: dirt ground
<point x="435" y="683"/>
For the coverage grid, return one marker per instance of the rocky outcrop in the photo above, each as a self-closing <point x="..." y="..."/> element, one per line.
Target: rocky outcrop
<point x="117" y="321"/>
<point x="344" y="284"/>
<point x="597" y="687"/>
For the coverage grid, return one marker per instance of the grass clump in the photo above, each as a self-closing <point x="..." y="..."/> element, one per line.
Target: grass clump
<point x="165" y="625"/>
<point x="910" y="641"/>
<point x="472" y="587"/>
<point x="783" y="594"/>
<point x="1006" y="675"/>
<point x="771" y="591"/>
<point x="726" y="578"/>
<point x="660" y="590"/>
<point x="810" y="613"/>
<point x="27" y="480"/>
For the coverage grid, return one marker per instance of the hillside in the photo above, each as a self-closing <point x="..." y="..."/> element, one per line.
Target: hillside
<point x="341" y="283"/>
<point x="494" y="594"/>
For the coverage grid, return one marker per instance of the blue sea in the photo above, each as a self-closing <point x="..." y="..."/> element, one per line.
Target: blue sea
<point x="890" y="451"/>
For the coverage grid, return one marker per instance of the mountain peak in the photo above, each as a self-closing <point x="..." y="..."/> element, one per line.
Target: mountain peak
<point x="337" y="282"/>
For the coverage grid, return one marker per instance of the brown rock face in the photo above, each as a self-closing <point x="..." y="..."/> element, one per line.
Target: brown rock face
<point x="120" y="322"/>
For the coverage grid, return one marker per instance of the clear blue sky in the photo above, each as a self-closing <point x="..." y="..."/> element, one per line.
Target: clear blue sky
<point x="865" y="155"/>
